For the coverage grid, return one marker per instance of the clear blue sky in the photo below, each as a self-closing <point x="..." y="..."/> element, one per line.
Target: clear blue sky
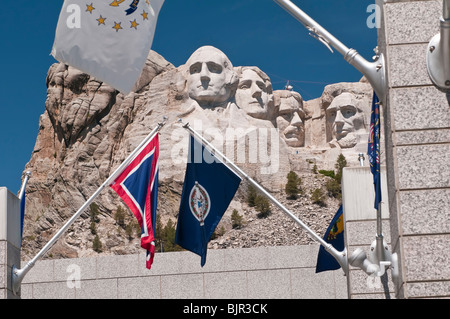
<point x="249" y="32"/>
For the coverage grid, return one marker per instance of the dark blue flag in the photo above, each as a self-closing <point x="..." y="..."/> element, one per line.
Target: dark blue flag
<point x="209" y="186"/>
<point x="22" y="202"/>
<point x="374" y="148"/>
<point x="335" y="236"/>
<point x="22" y="214"/>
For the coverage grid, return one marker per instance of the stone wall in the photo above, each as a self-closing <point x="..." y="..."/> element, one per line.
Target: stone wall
<point x="417" y="125"/>
<point x="9" y="240"/>
<point x="266" y="272"/>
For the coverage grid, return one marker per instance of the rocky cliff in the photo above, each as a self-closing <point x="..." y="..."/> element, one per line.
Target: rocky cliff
<point x="88" y="128"/>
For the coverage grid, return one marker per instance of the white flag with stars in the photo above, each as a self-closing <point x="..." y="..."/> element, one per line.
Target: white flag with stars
<point x="107" y="39"/>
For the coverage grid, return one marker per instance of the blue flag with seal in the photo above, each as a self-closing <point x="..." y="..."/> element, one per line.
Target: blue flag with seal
<point x="373" y="151"/>
<point x="335" y="236"/>
<point x="209" y="186"/>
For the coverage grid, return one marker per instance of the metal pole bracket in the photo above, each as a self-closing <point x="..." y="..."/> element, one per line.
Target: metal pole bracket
<point x="438" y="53"/>
<point x="375" y="72"/>
<point x="378" y="260"/>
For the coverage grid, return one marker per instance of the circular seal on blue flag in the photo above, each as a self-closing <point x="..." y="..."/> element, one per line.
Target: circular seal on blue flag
<point x="199" y="203"/>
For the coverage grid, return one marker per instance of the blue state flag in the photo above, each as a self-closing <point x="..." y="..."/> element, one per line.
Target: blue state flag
<point x="22" y="214"/>
<point x="22" y="203"/>
<point x="209" y="186"/>
<point x="374" y="150"/>
<point x="335" y="236"/>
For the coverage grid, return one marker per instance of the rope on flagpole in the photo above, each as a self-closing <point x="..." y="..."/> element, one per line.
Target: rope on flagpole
<point x="19" y="274"/>
<point x="340" y="256"/>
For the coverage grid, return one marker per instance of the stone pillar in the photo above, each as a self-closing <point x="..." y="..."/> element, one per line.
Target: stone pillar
<point x="360" y="216"/>
<point x="417" y="122"/>
<point x="9" y="240"/>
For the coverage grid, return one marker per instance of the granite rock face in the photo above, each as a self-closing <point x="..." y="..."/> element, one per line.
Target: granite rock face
<point x="88" y="128"/>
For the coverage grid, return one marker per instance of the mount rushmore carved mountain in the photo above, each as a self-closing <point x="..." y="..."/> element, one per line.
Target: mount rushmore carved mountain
<point x="88" y="128"/>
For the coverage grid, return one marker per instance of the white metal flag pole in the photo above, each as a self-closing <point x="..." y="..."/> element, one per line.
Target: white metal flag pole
<point x="340" y="256"/>
<point x="24" y="184"/>
<point x="375" y="72"/>
<point x="19" y="274"/>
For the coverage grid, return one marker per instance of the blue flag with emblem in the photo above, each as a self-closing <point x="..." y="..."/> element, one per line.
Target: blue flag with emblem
<point x="374" y="148"/>
<point x="209" y="186"/>
<point x="335" y="236"/>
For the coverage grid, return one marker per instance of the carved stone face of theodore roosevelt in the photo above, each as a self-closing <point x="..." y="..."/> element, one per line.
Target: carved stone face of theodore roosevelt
<point x="290" y="120"/>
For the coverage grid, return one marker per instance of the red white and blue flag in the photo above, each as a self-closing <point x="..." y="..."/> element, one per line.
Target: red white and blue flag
<point x="137" y="185"/>
<point x="374" y="148"/>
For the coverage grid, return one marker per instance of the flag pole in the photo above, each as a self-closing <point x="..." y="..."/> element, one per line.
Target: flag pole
<point x="375" y="72"/>
<point x="24" y="184"/>
<point x="340" y="256"/>
<point x="19" y="274"/>
<point x="22" y="201"/>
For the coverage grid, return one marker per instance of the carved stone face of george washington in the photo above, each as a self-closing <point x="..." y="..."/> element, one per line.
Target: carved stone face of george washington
<point x="210" y="77"/>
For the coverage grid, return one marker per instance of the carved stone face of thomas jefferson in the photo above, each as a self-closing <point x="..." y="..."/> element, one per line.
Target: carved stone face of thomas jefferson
<point x="210" y="77"/>
<point x="254" y="93"/>
<point x="346" y="120"/>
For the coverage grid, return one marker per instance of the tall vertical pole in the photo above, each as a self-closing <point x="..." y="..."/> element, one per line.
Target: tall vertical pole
<point x="361" y="159"/>
<point x="446" y="10"/>
<point x="22" y="201"/>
